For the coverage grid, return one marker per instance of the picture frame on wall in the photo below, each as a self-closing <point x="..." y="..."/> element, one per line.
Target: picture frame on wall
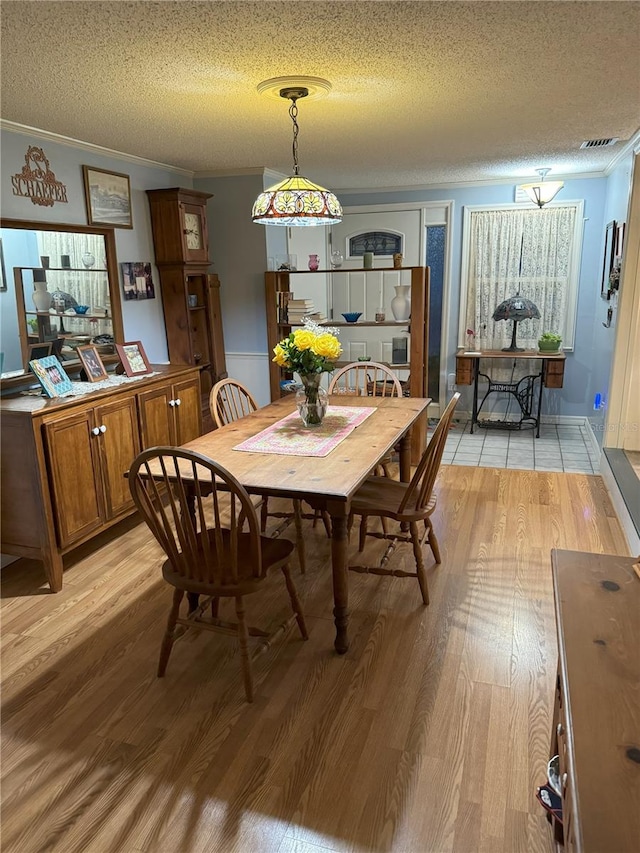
<point x="51" y="375"/>
<point x="133" y="357"/>
<point x="92" y="363"/>
<point x="108" y="197"/>
<point x="137" y="280"/>
<point x="609" y="257"/>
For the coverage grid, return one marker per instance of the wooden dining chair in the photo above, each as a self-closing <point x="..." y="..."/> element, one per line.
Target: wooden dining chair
<point x="408" y="504"/>
<point x="230" y="400"/>
<point x="368" y="379"/>
<point x="207" y="526"/>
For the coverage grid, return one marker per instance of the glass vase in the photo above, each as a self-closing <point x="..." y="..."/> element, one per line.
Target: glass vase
<point x="311" y="400"/>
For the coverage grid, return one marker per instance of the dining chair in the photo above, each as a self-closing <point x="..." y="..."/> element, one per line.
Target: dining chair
<point x="368" y="379"/>
<point x="407" y="504"/>
<point x="230" y="400"/>
<point x="206" y="524"/>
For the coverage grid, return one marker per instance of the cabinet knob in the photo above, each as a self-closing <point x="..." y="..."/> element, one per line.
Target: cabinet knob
<point x="177" y="401"/>
<point x="96" y="431"/>
<point x="172" y="403"/>
<point x="103" y="428"/>
<point x="559" y="730"/>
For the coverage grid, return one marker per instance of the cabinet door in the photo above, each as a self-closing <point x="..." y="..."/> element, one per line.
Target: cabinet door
<point x="76" y="485"/>
<point x="188" y="412"/>
<point x="118" y="445"/>
<point x="157" y="423"/>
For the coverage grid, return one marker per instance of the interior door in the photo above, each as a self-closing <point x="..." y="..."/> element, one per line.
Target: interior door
<point x="405" y="224"/>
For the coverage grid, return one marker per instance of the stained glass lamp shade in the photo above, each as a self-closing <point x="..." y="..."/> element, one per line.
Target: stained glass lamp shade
<point x="516" y="308"/>
<point x="297" y="201"/>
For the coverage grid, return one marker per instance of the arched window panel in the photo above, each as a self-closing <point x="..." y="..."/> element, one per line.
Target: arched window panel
<point x="378" y="242"/>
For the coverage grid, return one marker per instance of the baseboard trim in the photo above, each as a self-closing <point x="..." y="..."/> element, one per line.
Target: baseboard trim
<point x="620" y="507"/>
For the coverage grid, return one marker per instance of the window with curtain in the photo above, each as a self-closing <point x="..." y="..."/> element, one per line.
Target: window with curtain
<point x="530" y="252"/>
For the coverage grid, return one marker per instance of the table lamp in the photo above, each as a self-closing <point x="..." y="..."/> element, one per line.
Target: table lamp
<point x="516" y="308"/>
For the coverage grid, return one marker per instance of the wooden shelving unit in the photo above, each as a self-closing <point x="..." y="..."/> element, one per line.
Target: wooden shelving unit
<point x="280" y="281"/>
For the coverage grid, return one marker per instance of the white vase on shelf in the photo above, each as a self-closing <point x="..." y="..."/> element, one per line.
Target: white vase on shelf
<point x="41" y="296"/>
<point x="401" y="303"/>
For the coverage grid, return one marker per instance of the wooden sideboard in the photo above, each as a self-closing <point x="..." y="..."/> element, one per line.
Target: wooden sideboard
<point x="596" y="729"/>
<point x="63" y="460"/>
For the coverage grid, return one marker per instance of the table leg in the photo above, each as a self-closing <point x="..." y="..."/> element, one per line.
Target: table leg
<point x="405" y="457"/>
<point x="340" y="576"/>
<point x="474" y="410"/>
<point x="543" y="377"/>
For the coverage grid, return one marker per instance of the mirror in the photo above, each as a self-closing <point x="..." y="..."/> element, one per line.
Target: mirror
<point x="61" y="288"/>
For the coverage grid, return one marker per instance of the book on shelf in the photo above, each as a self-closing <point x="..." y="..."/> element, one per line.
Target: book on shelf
<point x="301" y="303"/>
<point x="283" y="304"/>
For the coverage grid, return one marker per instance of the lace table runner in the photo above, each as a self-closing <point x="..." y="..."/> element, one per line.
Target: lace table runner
<point x="290" y="437"/>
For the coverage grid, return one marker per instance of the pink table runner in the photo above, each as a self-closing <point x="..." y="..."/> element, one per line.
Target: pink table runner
<point x="289" y="436"/>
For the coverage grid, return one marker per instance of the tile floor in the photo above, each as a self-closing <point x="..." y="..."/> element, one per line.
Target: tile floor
<point x="559" y="448"/>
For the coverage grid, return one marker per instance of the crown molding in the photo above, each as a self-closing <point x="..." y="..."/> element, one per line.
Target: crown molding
<point x="630" y="147"/>
<point x="38" y="133"/>
<point x="452" y="185"/>
<point x="230" y="173"/>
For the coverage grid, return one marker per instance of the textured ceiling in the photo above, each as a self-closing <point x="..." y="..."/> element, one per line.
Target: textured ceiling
<point x="422" y="92"/>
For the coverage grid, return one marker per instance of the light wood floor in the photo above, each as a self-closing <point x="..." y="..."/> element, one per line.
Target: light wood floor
<point x="430" y="735"/>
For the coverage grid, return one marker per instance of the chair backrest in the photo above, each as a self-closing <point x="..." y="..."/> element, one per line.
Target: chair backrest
<point x="366" y="379"/>
<point x="420" y="489"/>
<point x="230" y="400"/>
<point x="197" y="511"/>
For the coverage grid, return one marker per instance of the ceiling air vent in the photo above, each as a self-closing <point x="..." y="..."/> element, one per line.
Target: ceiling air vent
<point x="600" y="143"/>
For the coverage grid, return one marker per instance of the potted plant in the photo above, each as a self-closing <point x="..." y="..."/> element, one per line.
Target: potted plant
<point x="549" y="342"/>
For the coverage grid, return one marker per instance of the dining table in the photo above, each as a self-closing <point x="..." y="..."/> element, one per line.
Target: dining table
<point x="326" y="482"/>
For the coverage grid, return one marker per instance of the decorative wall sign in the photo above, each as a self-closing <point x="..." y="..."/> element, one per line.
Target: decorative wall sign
<point x="36" y="180"/>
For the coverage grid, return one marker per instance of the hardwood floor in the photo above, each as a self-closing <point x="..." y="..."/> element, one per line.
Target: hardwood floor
<point x="430" y="735"/>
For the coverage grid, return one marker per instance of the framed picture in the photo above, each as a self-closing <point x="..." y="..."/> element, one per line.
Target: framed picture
<point x="137" y="280"/>
<point x="608" y="259"/>
<point x="108" y="197"/>
<point x="92" y="363"/>
<point x="39" y="350"/>
<point x="133" y="358"/>
<point x="51" y="376"/>
<point x="3" y="274"/>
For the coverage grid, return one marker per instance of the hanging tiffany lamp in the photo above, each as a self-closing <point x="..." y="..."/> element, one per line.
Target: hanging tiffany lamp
<point x="296" y="200"/>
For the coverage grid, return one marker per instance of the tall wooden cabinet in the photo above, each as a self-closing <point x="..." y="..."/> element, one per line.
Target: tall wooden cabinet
<point x="190" y="294"/>
<point x="63" y="461"/>
<point x="278" y="328"/>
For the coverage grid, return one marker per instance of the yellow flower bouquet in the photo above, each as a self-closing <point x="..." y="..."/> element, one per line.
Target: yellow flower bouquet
<point x="310" y="352"/>
<point x="311" y="349"/>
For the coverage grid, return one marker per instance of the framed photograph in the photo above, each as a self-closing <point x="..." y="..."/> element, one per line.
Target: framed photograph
<point x="609" y="256"/>
<point x="3" y="274"/>
<point x="133" y="358"/>
<point x="39" y="350"/>
<point x="92" y="363"/>
<point x="51" y="376"/>
<point x="108" y="197"/>
<point x="137" y="280"/>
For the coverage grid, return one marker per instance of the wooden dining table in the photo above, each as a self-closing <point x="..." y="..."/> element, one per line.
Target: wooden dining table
<point x="328" y="483"/>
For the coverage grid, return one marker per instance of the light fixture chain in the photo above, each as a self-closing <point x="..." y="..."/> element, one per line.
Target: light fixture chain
<point x="293" y="112"/>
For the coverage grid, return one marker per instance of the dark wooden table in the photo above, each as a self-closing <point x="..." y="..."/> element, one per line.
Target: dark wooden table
<point x="327" y="482"/>
<point x="597" y="710"/>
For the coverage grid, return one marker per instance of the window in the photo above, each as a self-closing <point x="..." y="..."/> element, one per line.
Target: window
<point x="378" y="242"/>
<point x="508" y="250"/>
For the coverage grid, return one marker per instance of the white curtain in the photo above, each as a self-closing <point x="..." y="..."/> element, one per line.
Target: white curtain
<point x="87" y="288"/>
<point x="524" y="252"/>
